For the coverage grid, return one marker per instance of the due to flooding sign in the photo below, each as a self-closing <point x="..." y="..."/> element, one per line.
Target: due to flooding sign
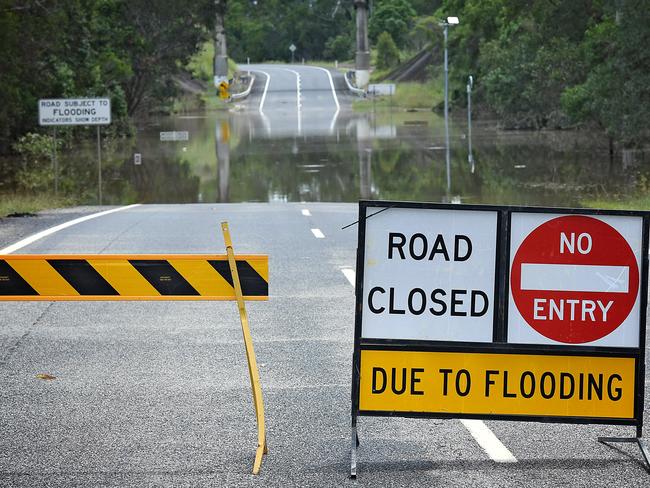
<point x="500" y="312"/>
<point x="74" y="111"/>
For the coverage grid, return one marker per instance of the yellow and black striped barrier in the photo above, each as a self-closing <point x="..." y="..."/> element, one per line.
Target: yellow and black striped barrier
<point x="131" y="277"/>
<point x="148" y="277"/>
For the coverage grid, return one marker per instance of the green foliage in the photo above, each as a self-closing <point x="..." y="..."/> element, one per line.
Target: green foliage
<point x="387" y="52"/>
<point x="127" y="50"/>
<point x="340" y="47"/>
<point x="547" y="64"/>
<point x="265" y="30"/>
<point x="392" y="16"/>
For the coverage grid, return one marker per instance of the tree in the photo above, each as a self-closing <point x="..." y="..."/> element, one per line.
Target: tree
<point x="392" y="16"/>
<point x="387" y="52"/>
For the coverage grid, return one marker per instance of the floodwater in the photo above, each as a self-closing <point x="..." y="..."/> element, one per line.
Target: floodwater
<point x="392" y="155"/>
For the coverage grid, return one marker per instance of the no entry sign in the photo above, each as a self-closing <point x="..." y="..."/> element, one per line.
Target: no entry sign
<point x="574" y="279"/>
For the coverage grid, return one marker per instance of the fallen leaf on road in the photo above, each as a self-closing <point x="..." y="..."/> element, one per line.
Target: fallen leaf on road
<point x="45" y="376"/>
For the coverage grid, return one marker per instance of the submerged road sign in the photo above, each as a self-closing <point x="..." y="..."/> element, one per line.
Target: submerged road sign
<point x="130" y="277"/>
<point x="503" y="313"/>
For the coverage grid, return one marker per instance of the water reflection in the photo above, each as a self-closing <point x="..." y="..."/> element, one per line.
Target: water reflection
<point x="345" y="156"/>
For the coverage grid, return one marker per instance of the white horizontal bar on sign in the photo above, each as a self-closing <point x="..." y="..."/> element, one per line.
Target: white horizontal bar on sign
<point x="575" y="277"/>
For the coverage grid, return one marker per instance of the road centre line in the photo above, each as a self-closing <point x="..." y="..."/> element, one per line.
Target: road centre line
<point x="349" y="274"/>
<point x="298" y="96"/>
<point x="481" y="433"/>
<point x="488" y="441"/>
<point x="47" y="232"/>
<point x="298" y="83"/>
<point x="318" y="234"/>
<point x="306" y="212"/>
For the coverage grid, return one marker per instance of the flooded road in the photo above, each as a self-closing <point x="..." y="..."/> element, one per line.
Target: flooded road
<point x="344" y="156"/>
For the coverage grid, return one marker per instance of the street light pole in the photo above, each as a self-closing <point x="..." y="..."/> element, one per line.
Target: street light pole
<point x="445" y="24"/>
<point x="447" y="154"/>
<point x="470" y="156"/>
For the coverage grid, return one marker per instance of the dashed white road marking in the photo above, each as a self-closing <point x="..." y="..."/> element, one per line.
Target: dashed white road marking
<point x="306" y="212"/>
<point x="481" y="433"/>
<point x="349" y="274"/>
<point x="488" y="441"/>
<point x="31" y="239"/>
<point x="318" y="234"/>
<point x="298" y="98"/>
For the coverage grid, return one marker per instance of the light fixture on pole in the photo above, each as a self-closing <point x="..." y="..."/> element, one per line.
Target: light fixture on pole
<point x="445" y="24"/>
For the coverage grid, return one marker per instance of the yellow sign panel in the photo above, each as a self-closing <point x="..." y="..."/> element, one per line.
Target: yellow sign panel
<point x="223" y="90"/>
<point x="497" y="384"/>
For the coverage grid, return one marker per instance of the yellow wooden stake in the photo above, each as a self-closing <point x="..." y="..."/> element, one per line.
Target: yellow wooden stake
<point x="250" y="354"/>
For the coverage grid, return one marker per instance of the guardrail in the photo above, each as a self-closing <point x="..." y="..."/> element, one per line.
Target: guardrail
<point x="353" y="89"/>
<point x="246" y="92"/>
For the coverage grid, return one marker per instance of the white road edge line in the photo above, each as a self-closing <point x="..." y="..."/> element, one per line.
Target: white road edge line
<point x="318" y="234"/>
<point x="306" y="212"/>
<point x="329" y="75"/>
<point x="47" y="232"/>
<point x="481" y="433"/>
<point x="488" y="441"/>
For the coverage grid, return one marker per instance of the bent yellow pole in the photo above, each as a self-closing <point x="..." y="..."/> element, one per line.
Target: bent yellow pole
<point x="250" y="353"/>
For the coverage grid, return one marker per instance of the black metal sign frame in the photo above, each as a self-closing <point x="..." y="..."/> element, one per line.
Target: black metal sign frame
<point x="499" y="344"/>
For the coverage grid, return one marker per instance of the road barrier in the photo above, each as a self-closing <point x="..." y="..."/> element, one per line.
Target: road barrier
<point x="130" y="277"/>
<point x="507" y="313"/>
<point x="148" y="277"/>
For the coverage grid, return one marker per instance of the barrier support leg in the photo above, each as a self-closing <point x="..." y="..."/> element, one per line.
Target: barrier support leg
<point x="645" y="452"/>
<point x="250" y="353"/>
<point x="353" y="451"/>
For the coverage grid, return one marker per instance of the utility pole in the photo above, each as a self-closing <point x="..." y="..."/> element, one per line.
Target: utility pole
<point x="363" y="51"/>
<point x="220" y="52"/>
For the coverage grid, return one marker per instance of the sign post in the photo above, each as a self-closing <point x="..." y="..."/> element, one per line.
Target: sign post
<point x="76" y="111"/>
<point x="292" y="48"/>
<point x="506" y="313"/>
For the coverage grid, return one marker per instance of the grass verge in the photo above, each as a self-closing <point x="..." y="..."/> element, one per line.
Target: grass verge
<point x="633" y="203"/>
<point x="408" y="95"/>
<point x="15" y="204"/>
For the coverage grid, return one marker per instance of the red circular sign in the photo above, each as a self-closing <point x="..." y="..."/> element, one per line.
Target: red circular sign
<point x="574" y="279"/>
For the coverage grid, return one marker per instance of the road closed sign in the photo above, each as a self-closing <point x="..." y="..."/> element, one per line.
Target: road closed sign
<point x="429" y="274"/>
<point x="575" y="279"/>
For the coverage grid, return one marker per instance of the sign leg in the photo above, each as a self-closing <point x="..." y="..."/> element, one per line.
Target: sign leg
<point x="645" y="452"/>
<point x="250" y="353"/>
<point x="353" y="451"/>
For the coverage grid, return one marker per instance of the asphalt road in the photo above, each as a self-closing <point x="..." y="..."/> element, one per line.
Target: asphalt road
<point x="297" y="100"/>
<point x="157" y="393"/>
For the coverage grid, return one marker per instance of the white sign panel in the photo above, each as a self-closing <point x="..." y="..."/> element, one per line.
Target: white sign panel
<point x="74" y="111"/>
<point x="575" y="279"/>
<point x="429" y="274"/>
<point x="382" y="89"/>
<point x="175" y="136"/>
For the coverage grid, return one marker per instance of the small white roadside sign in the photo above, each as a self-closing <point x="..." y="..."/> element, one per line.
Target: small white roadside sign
<point x="175" y="136"/>
<point x="382" y="89"/>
